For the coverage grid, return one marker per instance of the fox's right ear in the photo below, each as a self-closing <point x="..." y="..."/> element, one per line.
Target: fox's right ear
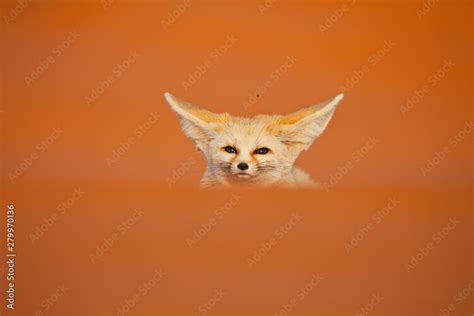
<point x="299" y="129"/>
<point x="198" y="124"/>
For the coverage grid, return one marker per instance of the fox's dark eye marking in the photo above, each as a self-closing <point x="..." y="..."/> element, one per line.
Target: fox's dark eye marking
<point x="261" y="151"/>
<point x="230" y="149"/>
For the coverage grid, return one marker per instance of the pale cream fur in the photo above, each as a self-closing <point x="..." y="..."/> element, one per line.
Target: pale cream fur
<point x="286" y="136"/>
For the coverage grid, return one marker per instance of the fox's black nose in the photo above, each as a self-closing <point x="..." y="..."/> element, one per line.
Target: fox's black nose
<point x="242" y="166"/>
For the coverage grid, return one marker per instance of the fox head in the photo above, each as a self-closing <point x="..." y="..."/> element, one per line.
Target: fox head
<point x="261" y="149"/>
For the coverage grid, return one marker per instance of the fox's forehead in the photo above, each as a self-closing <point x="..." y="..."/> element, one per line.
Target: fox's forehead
<point x="249" y="132"/>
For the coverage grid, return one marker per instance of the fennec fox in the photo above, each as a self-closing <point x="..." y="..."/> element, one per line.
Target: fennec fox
<point x="260" y="150"/>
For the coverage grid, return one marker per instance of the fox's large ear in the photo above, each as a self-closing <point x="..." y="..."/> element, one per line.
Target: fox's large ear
<point x="198" y="124"/>
<point x="301" y="128"/>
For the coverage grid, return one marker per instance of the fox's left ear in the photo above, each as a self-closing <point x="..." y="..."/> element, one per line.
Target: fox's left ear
<point x="301" y="128"/>
<point x="198" y="124"/>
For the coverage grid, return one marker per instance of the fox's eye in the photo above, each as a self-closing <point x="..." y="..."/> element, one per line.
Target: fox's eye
<point x="230" y="149"/>
<point x="261" y="151"/>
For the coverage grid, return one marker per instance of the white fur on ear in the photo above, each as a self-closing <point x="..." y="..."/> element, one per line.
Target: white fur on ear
<point x="337" y="98"/>
<point x="169" y="97"/>
<point x="304" y="126"/>
<point x="197" y="123"/>
<point x="181" y="108"/>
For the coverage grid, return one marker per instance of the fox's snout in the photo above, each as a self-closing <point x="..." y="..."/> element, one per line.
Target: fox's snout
<point x="243" y="166"/>
<point x="242" y="162"/>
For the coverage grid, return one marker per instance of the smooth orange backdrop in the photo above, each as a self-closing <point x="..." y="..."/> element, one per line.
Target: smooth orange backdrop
<point x="388" y="50"/>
